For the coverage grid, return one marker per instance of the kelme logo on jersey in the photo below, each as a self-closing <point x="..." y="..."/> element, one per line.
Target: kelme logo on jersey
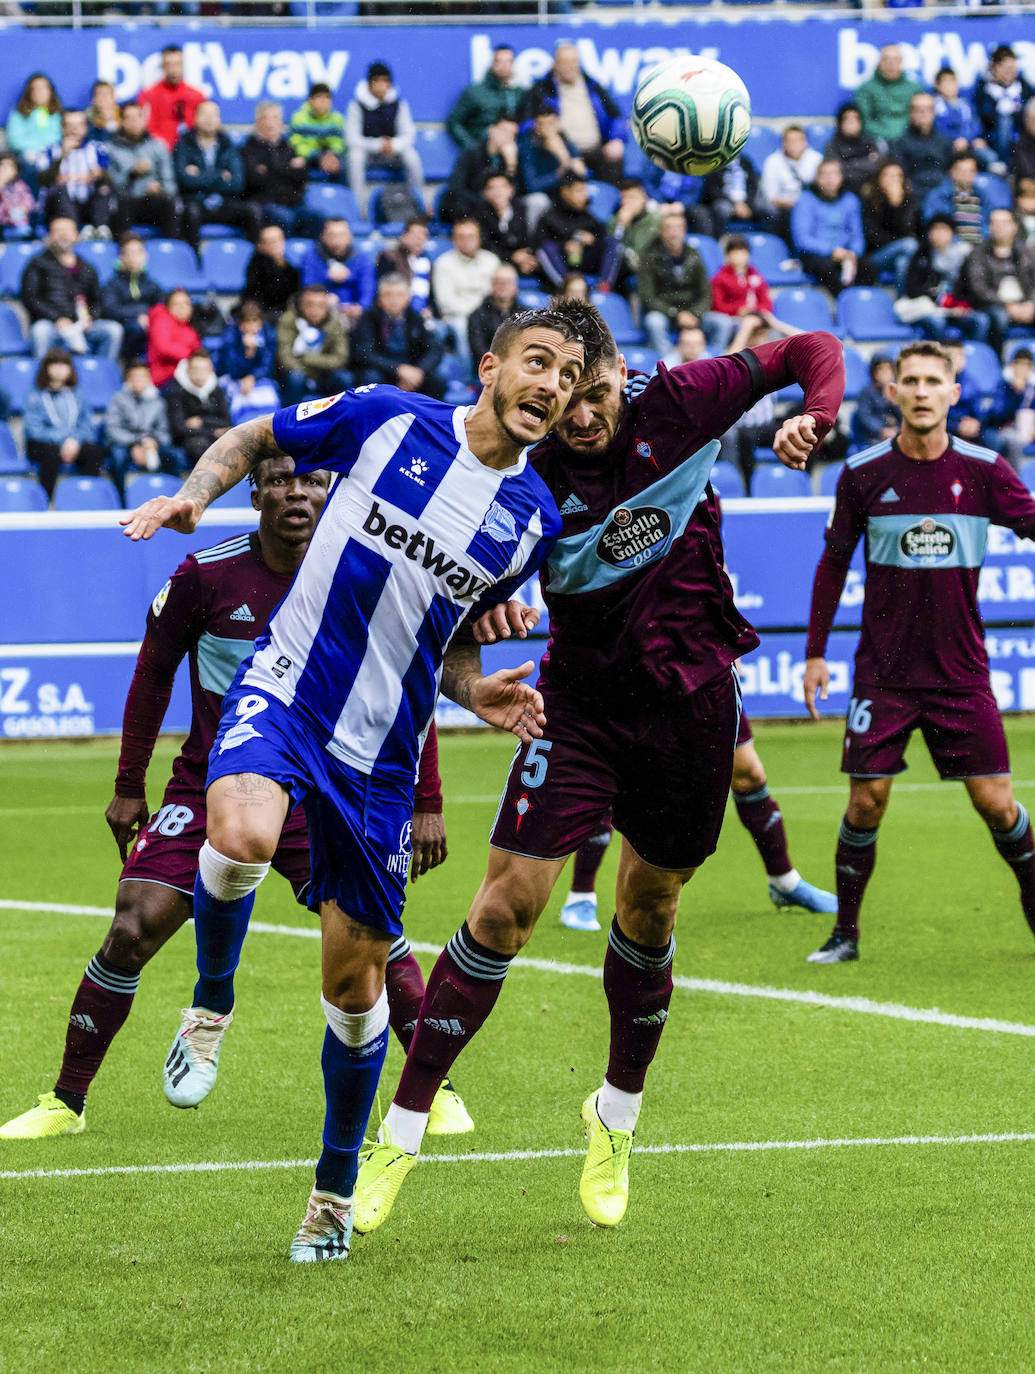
<point x="632" y="538"/>
<point x="927" y="543"/>
<point x="419" y="547"/>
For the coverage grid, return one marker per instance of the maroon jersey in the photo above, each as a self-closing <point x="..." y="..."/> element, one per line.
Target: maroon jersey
<point x="926" y="527"/>
<point x="635" y="587"/>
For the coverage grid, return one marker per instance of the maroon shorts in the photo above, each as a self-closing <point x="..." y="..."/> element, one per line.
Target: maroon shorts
<point x="167" y="851"/>
<point x="744" y="735"/>
<point x="662" y="772"/>
<point x="962" y="730"/>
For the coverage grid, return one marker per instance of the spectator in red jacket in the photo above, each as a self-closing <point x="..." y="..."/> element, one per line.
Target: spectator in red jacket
<point x="738" y="290"/>
<point x="170" y="335"/>
<point x="171" y="103"/>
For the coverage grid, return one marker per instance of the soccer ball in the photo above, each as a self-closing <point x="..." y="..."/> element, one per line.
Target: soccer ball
<point x="691" y="115"/>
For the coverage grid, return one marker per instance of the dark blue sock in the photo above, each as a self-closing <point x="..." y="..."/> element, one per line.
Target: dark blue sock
<point x="219" y="929"/>
<point x="350" y="1076"/>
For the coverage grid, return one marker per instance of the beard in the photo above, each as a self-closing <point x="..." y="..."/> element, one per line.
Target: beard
<point x="501" y="401"/>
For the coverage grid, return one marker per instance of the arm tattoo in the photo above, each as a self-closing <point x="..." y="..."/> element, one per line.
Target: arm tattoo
<point x="461" y="666"/>
<point x="230" y="458"/>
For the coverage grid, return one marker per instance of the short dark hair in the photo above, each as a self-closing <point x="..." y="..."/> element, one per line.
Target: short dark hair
<point x="131" y="104"/>
<point x="574" y="320"/>
<point x="945" y="71"/>
<point x="411" y="220"/>
<point x="319" y="88"/>
<point x="631" y="184"/>
<point x="199" y="353"/>
<point x="503" y="47"/>
<point x="1024" y="353"/>
<point x="379" y="69"/>
<point x="1004" y="50"/>
<point x="962" y="155"/>
<point x="736" y="241"/>
<point x="134" y="365"/>
<point x="925" y="348"/>
<point x="129" y="237"/>
<point x="879" y="360"/>
<point x="55" y="355"/>
<point x="171" y="47"/>
<point x="940" y="219"/>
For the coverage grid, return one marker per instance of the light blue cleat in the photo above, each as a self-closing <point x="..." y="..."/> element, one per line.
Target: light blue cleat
<point x="805" y="895"/>
<point x="326" y="1233"/>
<point x="580" y="914"/>
<point x="189" y="1073"/>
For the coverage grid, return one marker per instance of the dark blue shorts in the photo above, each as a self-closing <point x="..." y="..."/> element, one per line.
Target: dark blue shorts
<point x="359" y="825"/>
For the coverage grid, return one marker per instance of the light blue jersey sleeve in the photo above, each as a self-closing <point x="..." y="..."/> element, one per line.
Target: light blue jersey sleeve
<point x="329" y="431"/>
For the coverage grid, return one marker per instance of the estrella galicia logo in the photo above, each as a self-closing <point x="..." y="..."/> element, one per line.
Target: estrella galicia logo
<point x="633" y="538"/>
<point x="927" y="543"/>
<point x="499" y="524"/>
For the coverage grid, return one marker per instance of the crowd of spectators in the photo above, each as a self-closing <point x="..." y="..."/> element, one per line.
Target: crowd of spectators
<point x="928" y="193"/>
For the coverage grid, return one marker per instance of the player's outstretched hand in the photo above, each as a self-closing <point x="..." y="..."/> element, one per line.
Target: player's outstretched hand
<point x="817" y="676"/>
<point x="174" y="512"/>
<point x="126" y="817"/>
<point x="503" y="700"/>
<point x="795" y="440"/>
<point x="429" y="843"/>
<point x="509" y="617"/>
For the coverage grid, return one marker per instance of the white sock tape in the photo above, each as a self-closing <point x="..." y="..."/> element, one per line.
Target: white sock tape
<point x="225" y="879"/>
<point x="359" y="1028"/>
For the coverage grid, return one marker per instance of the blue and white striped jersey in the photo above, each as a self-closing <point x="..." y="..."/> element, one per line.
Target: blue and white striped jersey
<point x="415" y="535"/>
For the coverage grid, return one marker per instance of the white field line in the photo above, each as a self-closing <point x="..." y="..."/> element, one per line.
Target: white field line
<point x="895" y="1011"/>
<point x="521" y="1156"/>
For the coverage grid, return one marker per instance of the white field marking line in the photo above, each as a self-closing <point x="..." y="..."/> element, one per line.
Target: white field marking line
<point x="895" y="1011"/>
<point x="522" y="1156"/>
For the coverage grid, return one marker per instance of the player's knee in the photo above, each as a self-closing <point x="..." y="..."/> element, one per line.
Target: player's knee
<point x="130" y="943"/>
<point x="228" y="878"/>
<point x="503" y="919"/>
<point x="866" y="808"/>
<point x="648" y="914"/>
<point x="354" y="988"/>
<point x="998" y="811"/>
<point x="748" y="777"/>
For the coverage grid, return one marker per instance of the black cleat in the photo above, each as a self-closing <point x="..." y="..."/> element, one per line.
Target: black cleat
<point x="839" y="949"/>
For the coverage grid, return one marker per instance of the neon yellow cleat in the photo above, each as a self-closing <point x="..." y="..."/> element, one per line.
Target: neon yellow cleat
<point x="448" y="1115"/>
<point x="381" y="1175"/>
<point x="604" y="1186"/>
<point x="49" y="1117"/>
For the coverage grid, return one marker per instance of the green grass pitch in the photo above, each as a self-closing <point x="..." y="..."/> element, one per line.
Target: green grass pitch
<point x="870" y="1255"/>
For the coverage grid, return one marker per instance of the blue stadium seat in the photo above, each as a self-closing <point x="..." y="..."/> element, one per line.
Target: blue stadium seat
<point x="819" y="134"/>
<point x="867" y="312"/>
<point x="16" y="377"/>
<point x="829" y="477"/>
<point x="330" y="201"/>
<point x="217" y="231"/>
<point x="996" y="189"/>
<point x="12" y="341"/>
<point x="804" y="306"/>
<point x="776" y="480"/>
<point x="12" y="264"/>
<point x="172" y="263"/>
<point x="296" y="249"/>
<point x="86" y="493"/>
<point x="102" y="257"/>
<point x="533" y="300"/>
<point x="857" y="372"/>
<point x="776" y="262"/>
<point x="727" y="480"/>
<point x="141" y="486"/>
<point x="982" y="366"/>
<point x="12" y="463"/>
<point x="99" y="379"/>
<point x="1027" y="475"/>
<point x="603" y="199"/>
<point x="437" y="152"/>
<point x="436" y="246"/>
<point x="224" y="263"/>
<point x="641" y="359"/>
<point x="615" y="310"/>
<point x="760" y="143"/>
<point x="19" y="494"/>
<point x="711" y="253"/>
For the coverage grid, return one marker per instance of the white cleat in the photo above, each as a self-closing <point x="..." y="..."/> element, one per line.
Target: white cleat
<point x="326" y="1233"/>
<point x="189" y="1073"/>
<point x="580" y="913"/>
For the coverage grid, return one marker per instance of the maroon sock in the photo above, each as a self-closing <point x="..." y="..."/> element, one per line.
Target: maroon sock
<point x="638" y="987"/>
<point x="761" y="817"/>
<point x="1017" y="846"/>
<point x="588" y="858"/>
<point x="98" y="1013"/>
<point x="462" y="990"/>
<point x="404" y="984"/>
<point x="856" y="855"/>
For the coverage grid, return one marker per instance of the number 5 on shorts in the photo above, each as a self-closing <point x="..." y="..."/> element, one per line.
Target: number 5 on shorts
<point x="536" y="763"/>
<point x="859" y="717"/>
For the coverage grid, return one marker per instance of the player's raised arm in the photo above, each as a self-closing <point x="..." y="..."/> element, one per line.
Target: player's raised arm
<point x="221" y="467"/>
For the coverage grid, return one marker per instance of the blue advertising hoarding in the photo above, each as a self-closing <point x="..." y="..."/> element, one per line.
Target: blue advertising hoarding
<point x="801" y="66"/>
<point x="78" y="592"/>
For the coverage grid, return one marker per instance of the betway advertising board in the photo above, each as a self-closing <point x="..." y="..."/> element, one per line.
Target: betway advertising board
<point x="829" y="57"/>
<point x="77" y="592"/>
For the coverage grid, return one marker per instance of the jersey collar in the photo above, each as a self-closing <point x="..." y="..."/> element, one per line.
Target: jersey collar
<point x="469" y="458"/>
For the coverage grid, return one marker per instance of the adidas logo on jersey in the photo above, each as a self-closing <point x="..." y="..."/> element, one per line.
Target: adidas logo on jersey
<point x="83" y="1022"/>
<point x="890" y="495"/>
<point x="573" y="505"/>
<point x="243" y="613"/>
<point x="420" y="548"/>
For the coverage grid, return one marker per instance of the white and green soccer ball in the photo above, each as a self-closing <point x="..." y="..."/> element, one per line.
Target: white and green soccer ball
<point x="691" y="115"/>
